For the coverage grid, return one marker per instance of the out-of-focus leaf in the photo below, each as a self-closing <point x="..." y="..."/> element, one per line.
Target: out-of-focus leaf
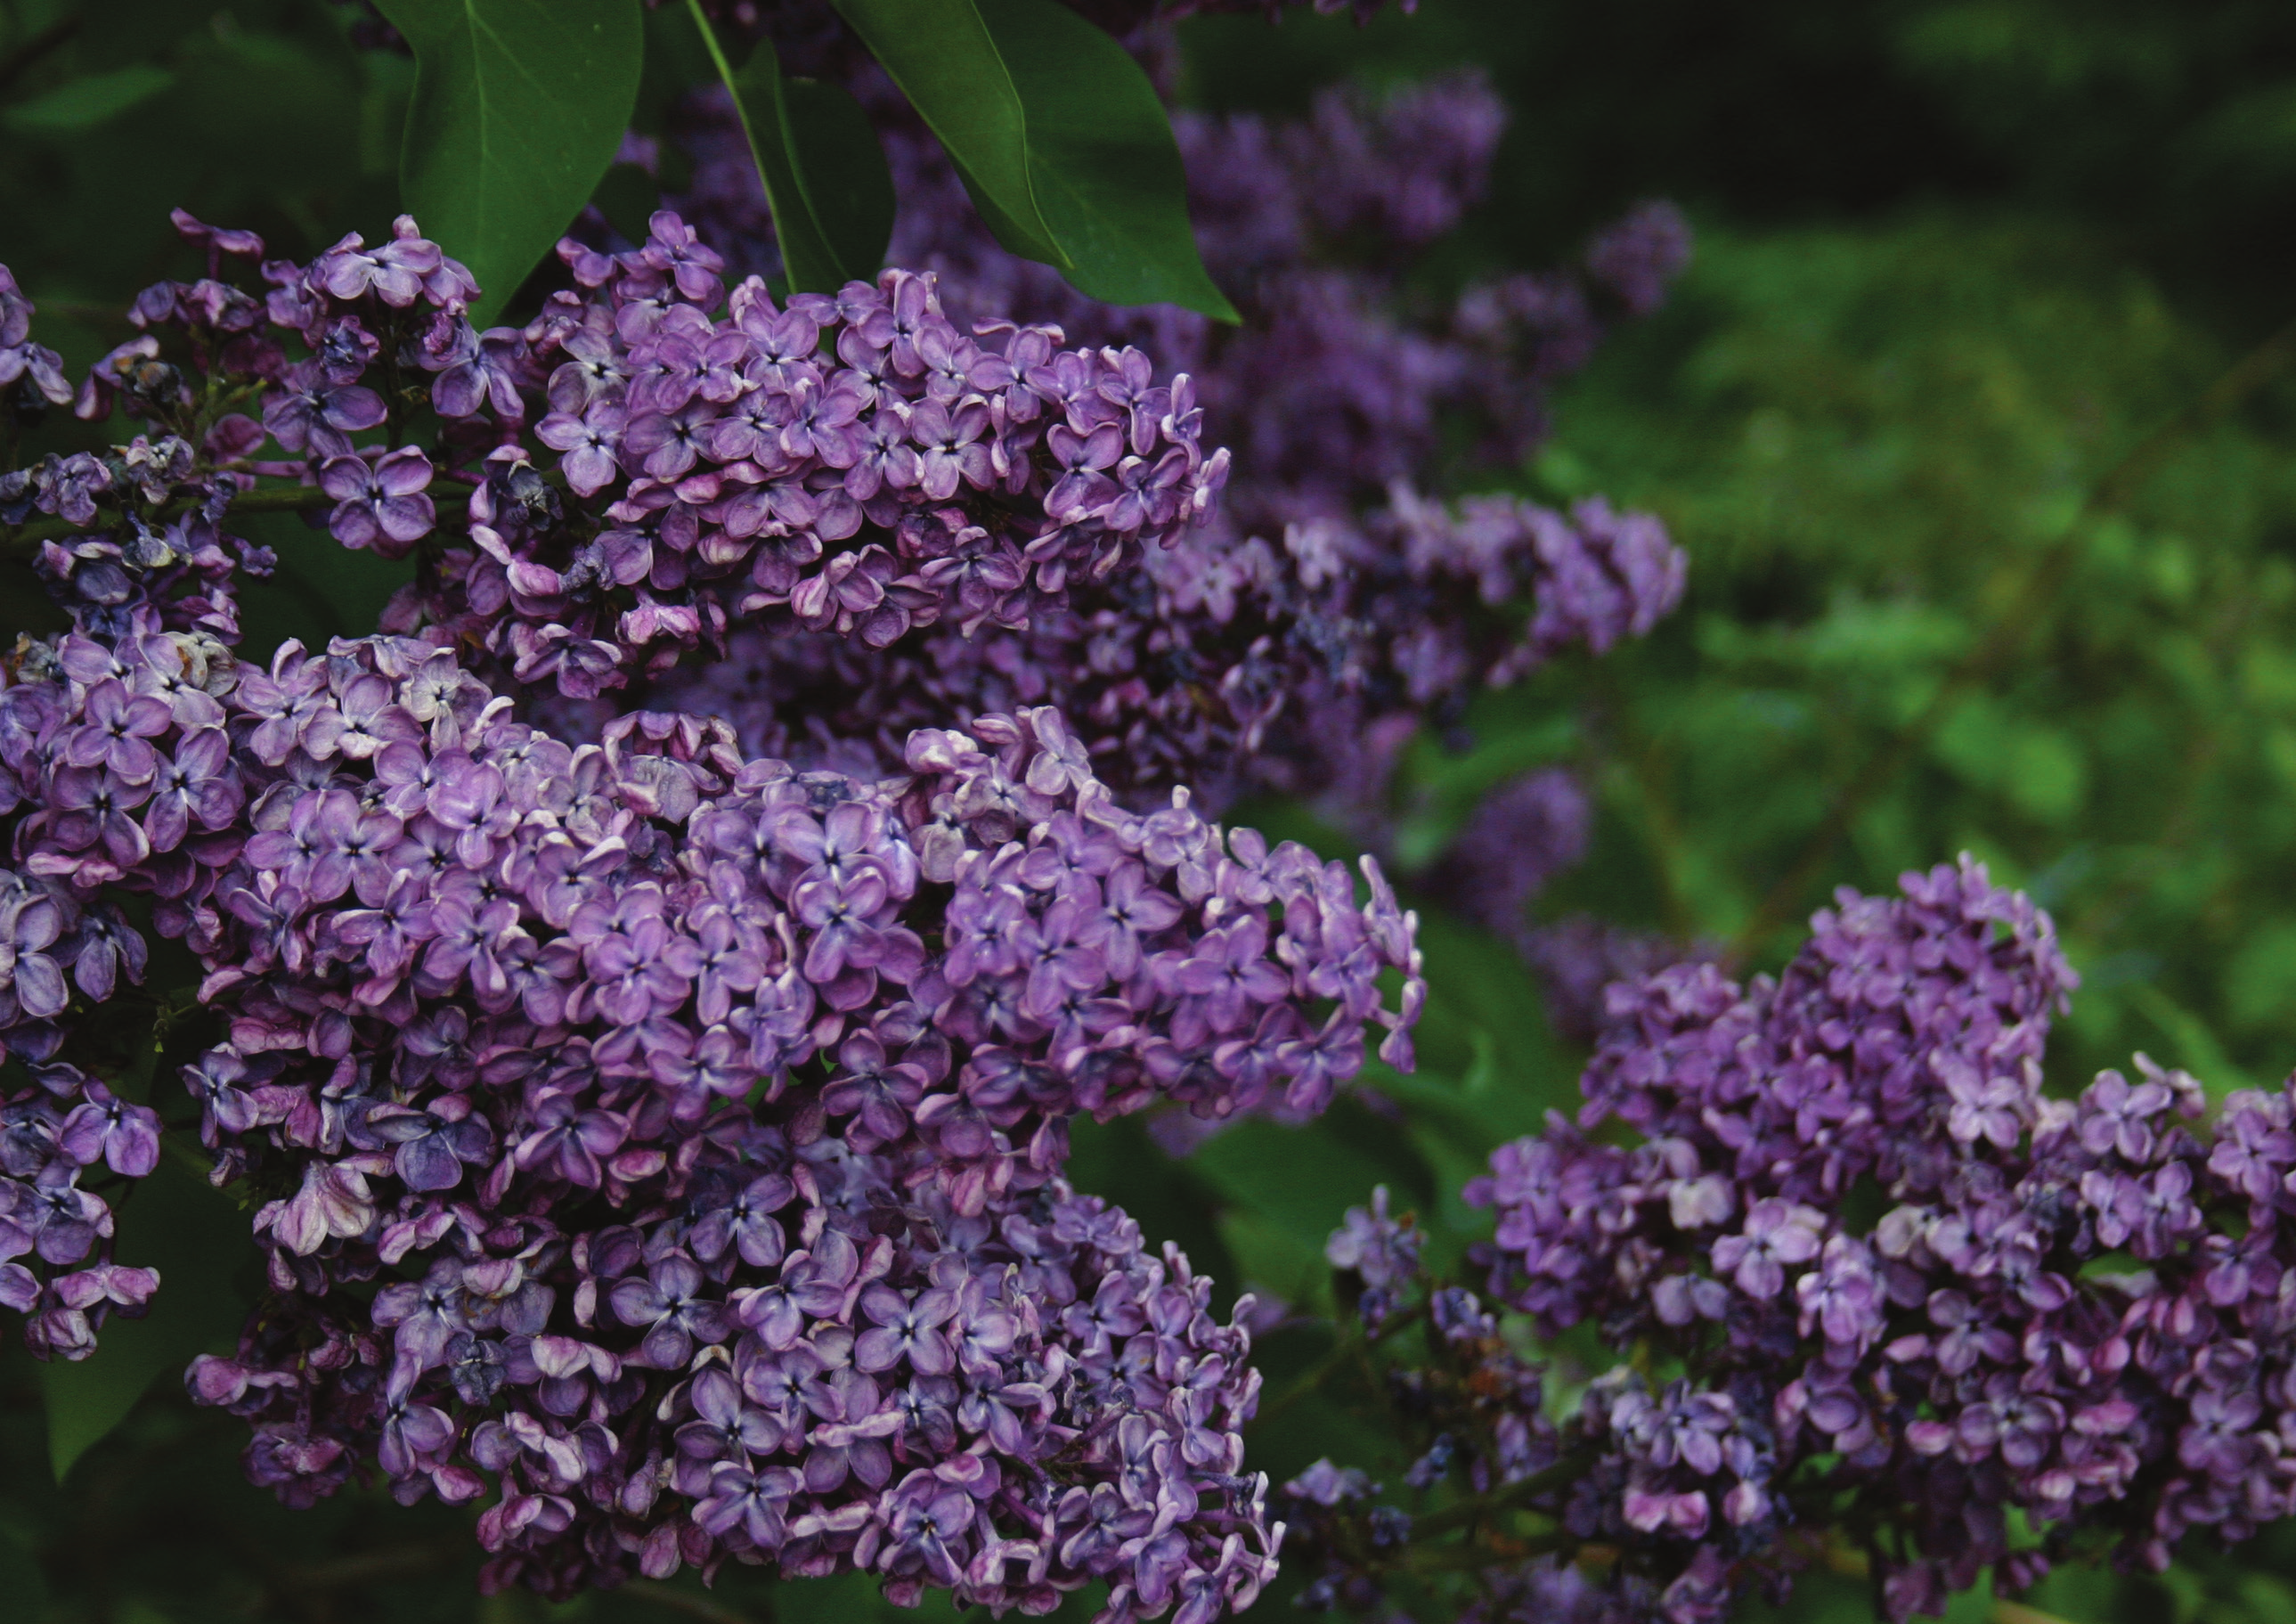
<point x="21" y="1583"/>
<point x="318" y="591"/>
<point x="1478" y="989"/>
<point x="824" y="173"/>
<point x="627" y="197"/>
<point x="1059" y="137"/>
<point x="2269" y="1600"/>
<point x="1271" y="1257"/>
<point x="86" y="103"/>
<point x="1301" y="1179"/>
<point x="518" y="107"/>
<point x="113" y="33"/>
<point x="172" y="1222"/>
<point x="2196" y="1048"/>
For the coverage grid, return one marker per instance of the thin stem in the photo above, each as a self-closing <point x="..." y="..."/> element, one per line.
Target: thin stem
<point x="717" y="52"/>
<point x="1504" y="1499"/>
<point x="1348" y="1345"/>
<point x="2010" y="628"/>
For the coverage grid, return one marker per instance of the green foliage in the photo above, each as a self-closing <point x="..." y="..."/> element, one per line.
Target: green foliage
<point x="947" y="62"/>
<point x="197" y="1240"/>
<point x="518" y="108"/>
<point x="263" y="115"/>
<point x="1101" y="160"/>
<point x="1877" y="444"/>
<point x="1058" y="136"/>
<point x="87" y="104"/>
<point x="823" y="170"/>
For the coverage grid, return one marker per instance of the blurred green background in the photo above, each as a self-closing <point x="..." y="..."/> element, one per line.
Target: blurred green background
<point x="1976" y="413"/>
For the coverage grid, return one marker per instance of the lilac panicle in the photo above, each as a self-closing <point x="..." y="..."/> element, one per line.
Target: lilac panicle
<point x="1320" y="604"/>
<point x="854" y="465"/>
<point x="1892" y="1266"/>
<point x="700" y="1119"/>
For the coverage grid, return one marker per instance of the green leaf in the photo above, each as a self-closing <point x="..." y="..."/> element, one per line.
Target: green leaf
<point x="946" y="60"/>
<point x="627" y="197"/>
<point x="1300" y="1181"/>
<point x="196" y="1238"/>
<point x="1058" y="136"/>
<point x="849" y="186"/>
<point x="86" y="103"/>
<point x="519" y="108"/>
<point x="1271" y="1257"/>
<point x="1106" y="171"/>
<point x="824" y="173"/>
<point x="20" y="1578"/>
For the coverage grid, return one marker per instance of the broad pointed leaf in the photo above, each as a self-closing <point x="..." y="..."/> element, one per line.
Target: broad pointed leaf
<point x="1105" y="171"/>
<point x="87" y="104"/>
<point x="944" y="58"/>
<point x="825" y="176"/>
<point x="841" y="166"/>
<point x="518" y="107"/>
<point x="1058" y="136"/>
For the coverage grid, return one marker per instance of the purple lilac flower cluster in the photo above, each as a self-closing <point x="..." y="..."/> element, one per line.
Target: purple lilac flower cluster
<point x="1910" y="1291"/>
<point x="67" y="1142"/>
<point x="112" y="798"/>
<point x="1900" y="1291"/>
<point x="643" y="1076"/>
<point x="853" y="466"/>
<point x="1178" y="675"/>
<point x="413" y="866"/>
<point x="145" y="513"/>
<point x="781" y="1353"/>
<point x="1324" y="604"/>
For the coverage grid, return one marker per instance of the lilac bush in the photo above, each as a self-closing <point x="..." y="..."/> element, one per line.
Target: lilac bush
<point x="649" y="1087"/>
<point x="1888" y="1284"/>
